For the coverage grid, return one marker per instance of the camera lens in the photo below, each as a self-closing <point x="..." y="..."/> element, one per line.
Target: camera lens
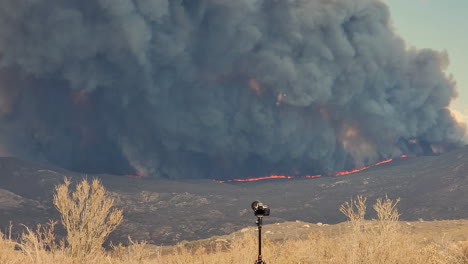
<point x="254" y="205"/>
<point x="260" y="209"/>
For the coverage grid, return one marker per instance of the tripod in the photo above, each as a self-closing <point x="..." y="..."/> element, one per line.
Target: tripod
<point x="259" y="224"/>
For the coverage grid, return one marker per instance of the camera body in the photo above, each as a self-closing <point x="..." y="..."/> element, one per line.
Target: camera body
<point x="260" y="209"/>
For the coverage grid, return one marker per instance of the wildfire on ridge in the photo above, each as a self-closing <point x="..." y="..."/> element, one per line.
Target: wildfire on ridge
<point x="139" y="174"/>
<point x="340" y="173"/>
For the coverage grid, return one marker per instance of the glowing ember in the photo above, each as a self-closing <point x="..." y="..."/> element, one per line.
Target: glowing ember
<point x="280" y="98"/>
<point x="351" y="132"/>
<point x="254" y="85"/>
<point x="308" y="176"/>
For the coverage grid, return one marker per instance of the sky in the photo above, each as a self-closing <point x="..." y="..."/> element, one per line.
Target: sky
<point x="439" y="25"/>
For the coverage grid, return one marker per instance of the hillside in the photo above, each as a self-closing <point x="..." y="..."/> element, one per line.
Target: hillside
<point x="167" y="212"/>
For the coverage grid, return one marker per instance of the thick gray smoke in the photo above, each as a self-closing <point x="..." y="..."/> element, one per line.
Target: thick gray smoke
<point x="216" y="88"/>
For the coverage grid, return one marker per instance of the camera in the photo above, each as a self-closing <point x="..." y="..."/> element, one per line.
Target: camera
<point x="260" y="209"/>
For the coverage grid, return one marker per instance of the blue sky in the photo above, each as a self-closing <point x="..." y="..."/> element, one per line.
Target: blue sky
<point x="440" y="25"/>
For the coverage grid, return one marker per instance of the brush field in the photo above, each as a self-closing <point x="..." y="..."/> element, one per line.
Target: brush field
<point x="377" y="241"/>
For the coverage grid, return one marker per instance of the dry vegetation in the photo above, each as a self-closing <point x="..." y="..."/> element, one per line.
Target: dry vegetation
<point x="88" y="218"/>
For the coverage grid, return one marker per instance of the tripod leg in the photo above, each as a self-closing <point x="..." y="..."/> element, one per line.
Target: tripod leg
<point x="259" y="224"/>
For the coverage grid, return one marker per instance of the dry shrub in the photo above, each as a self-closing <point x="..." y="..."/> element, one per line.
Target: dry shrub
<point x="8" y="254"/>
<point x="355" y="211"/>
<point x="457" y="253"/>
<point x="377" y="241"/>
<point x="134" y="253"/>
<point x="86" y="215"/>
<point x="462" y="252"/>
<point x="242" y="249"/>
<point x="36" y="244"/>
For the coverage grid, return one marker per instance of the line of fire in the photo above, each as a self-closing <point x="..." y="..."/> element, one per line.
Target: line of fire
<point x="340" y="173"/>
<point x="270" y="177"/>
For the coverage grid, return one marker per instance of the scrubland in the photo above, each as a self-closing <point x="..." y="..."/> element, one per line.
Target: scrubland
<point x="88" y="216"/>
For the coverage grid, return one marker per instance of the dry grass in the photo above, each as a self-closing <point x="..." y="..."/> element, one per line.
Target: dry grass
<point x="366" y="242"/>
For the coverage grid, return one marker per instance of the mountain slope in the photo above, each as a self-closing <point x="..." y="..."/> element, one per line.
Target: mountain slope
<point x="162" y="211"/>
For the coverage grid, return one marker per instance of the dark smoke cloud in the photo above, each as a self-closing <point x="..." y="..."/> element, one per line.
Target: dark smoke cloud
<point x="216" y="88"/>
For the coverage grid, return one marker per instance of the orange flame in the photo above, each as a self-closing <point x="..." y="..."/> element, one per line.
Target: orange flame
<point x="383" y="162"/>
<point x="254" y="85"/>
<point x="257" y="179"/>
<point x="279" y="98"/>
<point x="349" y="172"/>
<point x="140" y="173"/>
<point x="340" y="173"/>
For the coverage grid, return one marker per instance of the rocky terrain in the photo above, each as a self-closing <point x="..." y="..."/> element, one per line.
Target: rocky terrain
<point x="167" y="212"/>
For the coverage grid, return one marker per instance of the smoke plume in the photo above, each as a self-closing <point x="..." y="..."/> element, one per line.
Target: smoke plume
<point x="216" y="88"/>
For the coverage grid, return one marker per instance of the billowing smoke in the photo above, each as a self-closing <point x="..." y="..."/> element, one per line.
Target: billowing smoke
<point x="216" y="88"/>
